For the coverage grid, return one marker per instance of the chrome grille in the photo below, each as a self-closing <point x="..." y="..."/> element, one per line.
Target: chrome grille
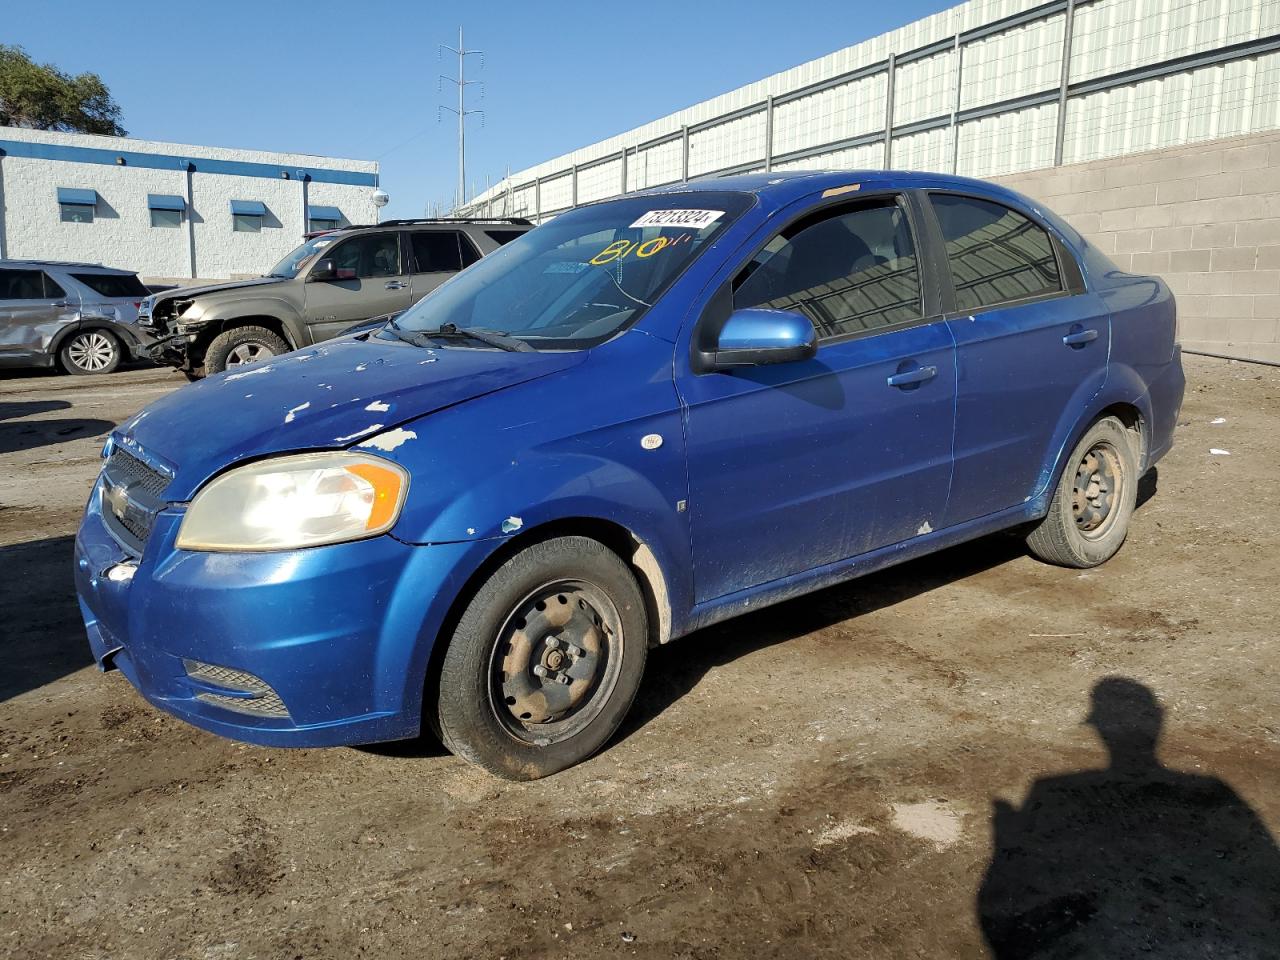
<point x="265" y="702"/>
<point x="131" y="497"/>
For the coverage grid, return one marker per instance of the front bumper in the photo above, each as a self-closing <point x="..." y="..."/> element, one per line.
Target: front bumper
<point x="342" y="634"/>
<point x="169" y="348"/>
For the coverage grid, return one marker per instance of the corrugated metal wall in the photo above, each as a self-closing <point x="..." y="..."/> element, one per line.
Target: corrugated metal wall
<point x="978" y="89"/>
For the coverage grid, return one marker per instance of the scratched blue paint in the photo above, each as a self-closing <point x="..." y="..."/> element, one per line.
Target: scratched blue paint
<point x="795" y="475"/>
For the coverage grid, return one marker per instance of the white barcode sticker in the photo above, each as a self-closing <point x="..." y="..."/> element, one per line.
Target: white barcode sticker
<point x="685" y="219"/>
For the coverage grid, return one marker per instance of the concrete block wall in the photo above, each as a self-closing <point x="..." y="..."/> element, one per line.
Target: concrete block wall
<point x="1204" y="216"/>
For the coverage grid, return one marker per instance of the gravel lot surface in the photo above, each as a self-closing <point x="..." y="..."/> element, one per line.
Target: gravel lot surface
<point x="896" y="767"/>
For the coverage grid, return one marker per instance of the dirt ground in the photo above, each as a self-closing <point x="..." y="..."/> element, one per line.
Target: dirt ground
<point x="897" y="767"/>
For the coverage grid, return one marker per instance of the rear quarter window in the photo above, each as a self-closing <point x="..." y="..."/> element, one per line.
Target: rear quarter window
<point x="112" y="284"/>
<point x="503" y="237"/>
<point x="996" y="254"/>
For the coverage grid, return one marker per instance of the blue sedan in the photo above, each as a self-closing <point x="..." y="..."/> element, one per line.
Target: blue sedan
<point x="646" y="416"/>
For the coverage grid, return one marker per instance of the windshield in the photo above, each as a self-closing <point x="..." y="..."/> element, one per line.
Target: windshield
<point x="295" y="261"/>
<point x="585" y="275"/>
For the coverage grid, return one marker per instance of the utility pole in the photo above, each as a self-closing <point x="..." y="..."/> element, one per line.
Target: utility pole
<point x="462" y="83"/>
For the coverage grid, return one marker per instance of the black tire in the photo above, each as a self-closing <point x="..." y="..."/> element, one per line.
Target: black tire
<point x="487" y="680"/>
<point x="1096" y="495"/>
<point x="90" y="352"/>
<point x="224" y="349"/>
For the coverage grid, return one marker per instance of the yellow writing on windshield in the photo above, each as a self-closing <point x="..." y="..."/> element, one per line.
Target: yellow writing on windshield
<point x="620" y="249"/>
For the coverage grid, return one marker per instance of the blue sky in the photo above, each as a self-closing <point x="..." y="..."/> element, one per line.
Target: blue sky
<point x="360" y="79"/>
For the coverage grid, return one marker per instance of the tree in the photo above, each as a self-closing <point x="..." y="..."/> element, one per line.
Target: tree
<point x="42" y="97"/>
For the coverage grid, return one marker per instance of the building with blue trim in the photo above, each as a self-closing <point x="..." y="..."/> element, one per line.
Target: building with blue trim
<point x="170" y="211"/>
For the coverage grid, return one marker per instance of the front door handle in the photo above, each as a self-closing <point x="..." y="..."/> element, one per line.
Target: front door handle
<point x="918" y="375"/>
<point x="1079" y="337"/>
<point x="396" y="285"/>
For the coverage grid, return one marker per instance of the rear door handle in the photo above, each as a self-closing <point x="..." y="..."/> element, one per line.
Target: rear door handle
<point x="918" y="375"/>
<point x="396" y="285"/>
<point x="1082" y="336"/>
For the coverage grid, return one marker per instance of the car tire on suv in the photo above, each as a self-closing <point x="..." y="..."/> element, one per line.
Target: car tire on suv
<point x="1096" y="496"/>
<point x="545" y="660"/>
<point x="241" y="345"/>
<point x="90" y="352"/>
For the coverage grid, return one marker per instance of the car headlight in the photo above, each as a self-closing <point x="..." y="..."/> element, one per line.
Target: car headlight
<point x="296" y="501"/>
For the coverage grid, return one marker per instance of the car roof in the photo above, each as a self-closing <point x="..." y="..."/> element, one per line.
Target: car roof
<point x="783" y="186"/>
<point x="443" y="223"/>
<point x="72" y="264"/>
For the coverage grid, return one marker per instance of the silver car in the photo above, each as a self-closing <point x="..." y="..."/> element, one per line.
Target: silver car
<point x="80" y="316"/>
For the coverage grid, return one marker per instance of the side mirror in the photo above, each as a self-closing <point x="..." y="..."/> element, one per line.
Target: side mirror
<point x="756" y="336"/>
<point x="323" y="270"/>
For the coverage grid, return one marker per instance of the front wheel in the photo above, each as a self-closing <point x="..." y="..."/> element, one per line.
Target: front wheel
<point x="240" y="346"/>
<point x="545" y="661"/>
<point x="91" y="351"/>
<point x="1096" y="495"/>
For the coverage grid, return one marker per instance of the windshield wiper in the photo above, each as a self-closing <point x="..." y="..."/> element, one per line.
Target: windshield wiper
<point x="490" y="337"/>
<point x="415" y="337"/>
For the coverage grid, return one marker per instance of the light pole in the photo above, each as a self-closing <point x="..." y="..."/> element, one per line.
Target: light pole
<point x="461" y="110"/>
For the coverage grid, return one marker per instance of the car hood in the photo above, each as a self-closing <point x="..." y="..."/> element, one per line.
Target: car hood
<point x="207" y="289"/>
<point x="337" y="395"/>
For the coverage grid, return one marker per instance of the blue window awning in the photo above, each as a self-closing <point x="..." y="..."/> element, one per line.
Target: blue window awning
<point x="165" y="201"/>
<point x="324" y="213"/>
<point x="84" y="198"/>
<point x="248" y="208"/>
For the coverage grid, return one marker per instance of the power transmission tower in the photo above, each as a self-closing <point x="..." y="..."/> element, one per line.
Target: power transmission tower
<point x="461" y="110"/>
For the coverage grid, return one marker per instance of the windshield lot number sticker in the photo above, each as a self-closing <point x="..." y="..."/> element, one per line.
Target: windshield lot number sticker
<point x="686" y="219"/>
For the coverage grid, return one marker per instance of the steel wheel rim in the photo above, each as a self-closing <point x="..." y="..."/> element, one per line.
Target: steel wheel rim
<point x="1096" y="492"/>
<point x="244" y="353"/>
<point x="556" y="661"/>
<point x="91" y="351"/>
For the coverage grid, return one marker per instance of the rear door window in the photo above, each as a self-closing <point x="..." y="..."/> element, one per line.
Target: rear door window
<point x="442" y="251"/>
<point x="28" y="285"/>
<point x="996" y="254"/>
<point x="849" y="272"/>
<point x="112" y="285"/>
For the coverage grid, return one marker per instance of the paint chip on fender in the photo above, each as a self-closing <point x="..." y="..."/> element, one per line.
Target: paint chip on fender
<point x="391" y="439"/>
<point x="359" y="433"/>
<point x="512" y="524"/>
<point x="923" y="529"/>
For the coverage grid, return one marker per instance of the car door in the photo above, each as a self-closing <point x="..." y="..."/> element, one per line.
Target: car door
<point x="370" y="281"/>
<point x="436" y="256"/>
<point x="1031" y="345"/>
<point x="33" y="309"/>
<point x="802" y="464"/>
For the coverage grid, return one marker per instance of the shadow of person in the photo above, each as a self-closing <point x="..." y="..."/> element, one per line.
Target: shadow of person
<point x="1131" y="860"/>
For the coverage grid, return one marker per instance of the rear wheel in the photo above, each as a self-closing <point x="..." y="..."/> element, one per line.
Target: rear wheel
<point x="241" y="346"/>
<point x="1097" y="492"/>
<point x="90" y="351"/>
<point x="545" y="660"/>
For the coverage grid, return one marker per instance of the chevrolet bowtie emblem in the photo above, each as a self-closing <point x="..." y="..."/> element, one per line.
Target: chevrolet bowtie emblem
<point x="117" y="497"/>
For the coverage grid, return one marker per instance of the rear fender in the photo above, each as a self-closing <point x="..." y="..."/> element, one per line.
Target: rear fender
<point x="127" y="338"/>
<point x="1118" y="385"/>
